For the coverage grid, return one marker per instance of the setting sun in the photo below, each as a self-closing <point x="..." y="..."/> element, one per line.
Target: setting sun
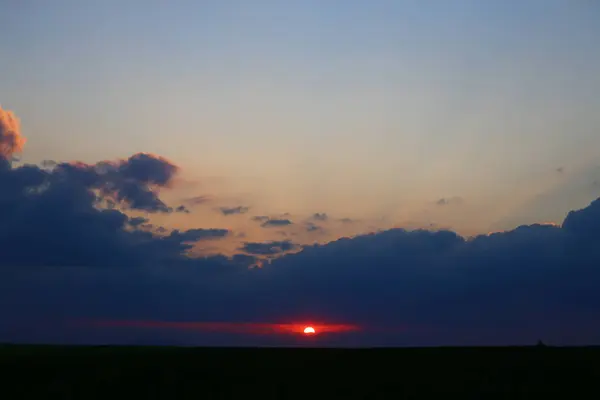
<point x="309" y="330"/>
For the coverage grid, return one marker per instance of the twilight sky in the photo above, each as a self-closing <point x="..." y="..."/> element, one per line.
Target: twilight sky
<point x="252" y="128"/>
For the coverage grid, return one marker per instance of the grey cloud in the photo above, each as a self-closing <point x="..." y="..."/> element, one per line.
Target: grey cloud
<point x="234" y="210"/>
<point x="449" y="200"/>
<point x="276" y="222"/>
<point x="320" y="217"/>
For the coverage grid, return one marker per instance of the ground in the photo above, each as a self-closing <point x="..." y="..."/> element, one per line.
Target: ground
<point x="268" y="373"/>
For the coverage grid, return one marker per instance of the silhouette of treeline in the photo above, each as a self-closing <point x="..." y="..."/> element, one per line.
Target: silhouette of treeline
<point x="272" y="373"/>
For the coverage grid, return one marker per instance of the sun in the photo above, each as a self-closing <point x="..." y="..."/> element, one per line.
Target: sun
<point x="309" y="330"/>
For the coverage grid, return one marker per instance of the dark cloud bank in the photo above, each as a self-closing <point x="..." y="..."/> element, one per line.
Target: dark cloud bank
<point x="69" y="254"/>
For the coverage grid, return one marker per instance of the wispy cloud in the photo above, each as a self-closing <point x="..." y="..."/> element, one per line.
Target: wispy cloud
<point x="320" y="217"/>
<point x="310" y="227"/>
<point x="197" y="200"/>
<point x="276" y="222"/>
<point x="233" y="210"/>
<point x="445" y="201"/>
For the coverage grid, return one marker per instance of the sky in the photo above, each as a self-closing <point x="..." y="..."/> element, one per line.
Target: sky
<point x="346" y="148"/>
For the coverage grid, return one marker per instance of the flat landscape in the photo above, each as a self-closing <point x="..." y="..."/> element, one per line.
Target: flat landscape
<point x="73" y="372"/>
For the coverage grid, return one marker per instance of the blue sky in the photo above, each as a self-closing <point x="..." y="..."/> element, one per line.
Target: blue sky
<point x="373" y="110"/>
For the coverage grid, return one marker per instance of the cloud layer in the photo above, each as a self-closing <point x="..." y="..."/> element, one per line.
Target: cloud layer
<point x="71" y="252"/>
<point x="399" y="287"/>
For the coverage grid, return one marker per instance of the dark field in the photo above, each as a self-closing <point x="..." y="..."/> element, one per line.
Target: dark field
<point x="194" y="373"/>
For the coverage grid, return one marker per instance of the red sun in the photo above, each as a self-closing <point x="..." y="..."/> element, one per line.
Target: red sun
<point x="309" y="330"/>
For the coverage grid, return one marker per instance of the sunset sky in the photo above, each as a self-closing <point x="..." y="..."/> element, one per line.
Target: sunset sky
<point x="279" y="124"/>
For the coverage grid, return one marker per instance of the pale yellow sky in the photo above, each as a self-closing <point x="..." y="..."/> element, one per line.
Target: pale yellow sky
<point x="366" y="112"/>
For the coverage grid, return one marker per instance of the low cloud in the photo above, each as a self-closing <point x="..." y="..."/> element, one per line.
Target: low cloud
<point x="182" y="209"/>
<point x="276" y="222"/>
<point x="445" y="201"/>
<point x="71" y="251"/>
<point x="400" y="287"/>
<point x="310" y="227"/>
<point x="133" y="183"/>
<point x="198" y="200"/>
<point x="233" y="210"/>
<point x="65" y="213"/>
<point x="320" y="217"/>
<point x="268" y="222"/>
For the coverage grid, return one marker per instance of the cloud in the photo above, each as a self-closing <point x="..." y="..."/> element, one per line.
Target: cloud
<point x="268" y="248"/>
<point x="51" y="217"/>
<point x="182" y="209"/>
<point x="584" y="223"/>
<point x="527" y="281"/>
<point x="233" y="210"/>
<point x="276" y="222"/>
<point x="197" y="200"/>
<point x="137" y="221"/>
<point x="260" y="218"/>
<point x="194" y="235"/>
<point x="399" y="287"/>
<point x="320" y="217"/>
<point x="11" y="140"/>
<point x="551" y="204"/>
<point x="444" y="201"/>
<point x="310" y="227"/>
<point x="64" y="214"/>
<point x="146" y="168"/>
<point x="132" y="183"/>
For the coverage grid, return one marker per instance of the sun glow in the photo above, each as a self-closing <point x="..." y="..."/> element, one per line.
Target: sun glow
<point x="309" y="330"/>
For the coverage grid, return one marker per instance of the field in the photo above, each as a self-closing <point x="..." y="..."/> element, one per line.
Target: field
<point x="270" y="373"/>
